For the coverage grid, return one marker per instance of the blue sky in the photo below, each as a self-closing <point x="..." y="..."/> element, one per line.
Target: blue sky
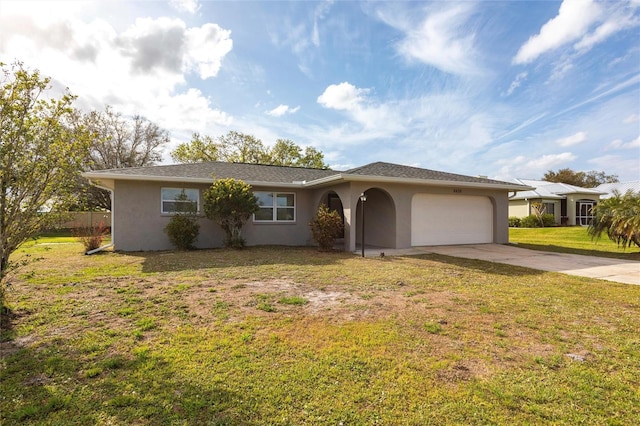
<point x="499" y="88"/>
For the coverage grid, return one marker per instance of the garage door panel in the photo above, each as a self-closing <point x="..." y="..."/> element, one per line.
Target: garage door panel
<point x="451" y="219"/>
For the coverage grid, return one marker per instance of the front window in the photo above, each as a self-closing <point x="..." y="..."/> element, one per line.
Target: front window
<point x="275" y="207"/>
<point x="549" y="208"/>
<point x="180" y="200"/>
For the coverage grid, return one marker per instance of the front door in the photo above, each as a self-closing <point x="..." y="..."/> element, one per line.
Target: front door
<point x="584" y="215"/>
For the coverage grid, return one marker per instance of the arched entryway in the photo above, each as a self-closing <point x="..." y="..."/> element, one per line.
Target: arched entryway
<point x="332" y="200"/>
<point x="379" y="220"/>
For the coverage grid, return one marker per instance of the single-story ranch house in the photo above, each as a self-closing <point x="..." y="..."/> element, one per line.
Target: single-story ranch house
<point x="404" y="207"/>
<point x="571" y="205"/>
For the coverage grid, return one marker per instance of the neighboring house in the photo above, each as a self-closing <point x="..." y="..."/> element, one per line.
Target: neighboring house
<point x="620" y="187"/>
<point x="404" y="207"/>
<point x="571" y="205"/>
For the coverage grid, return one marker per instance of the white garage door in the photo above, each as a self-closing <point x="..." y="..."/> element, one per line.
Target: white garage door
<point x="450" y="219"/>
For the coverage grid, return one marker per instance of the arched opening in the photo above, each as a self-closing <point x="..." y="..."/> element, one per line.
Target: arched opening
<point x="379" y="220"/>
<point x="332" y="200"/>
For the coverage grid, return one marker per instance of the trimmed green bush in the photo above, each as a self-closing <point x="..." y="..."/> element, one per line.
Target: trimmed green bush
<point x="183" y="230"/>
<point x="325" y="226"/>
<point x="533" y="221"/>
<point x="514" y="222"/>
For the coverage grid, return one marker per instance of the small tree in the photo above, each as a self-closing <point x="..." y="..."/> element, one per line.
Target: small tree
<point x="538" y="209"/>
<point x="41" y="153"/>
<point x="325" y="226"/>
<point x="183" y="228"/>
<point x="230" y="203"/>
<point x="619" y="217"/>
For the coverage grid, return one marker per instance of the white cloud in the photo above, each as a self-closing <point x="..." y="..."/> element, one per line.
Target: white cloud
<point x="573" y="139"/>
<point x="442" y="39"/>
<point x="281" y="110"/>
<point x="627" y="167"/>
<point x="633" y="118"/>
<point x="343" y="96"/>
<point x="619" y="144"/>
<point x="532" y="167"/>
<point x="319" y="13"/>
<point x="616" y="23"/>
<point x="574" y="19"/>
<point x="138" y="70"/>
<point x="207" y="46"/>
<point x="189" y="6"/>
<point x="516" y="82"/>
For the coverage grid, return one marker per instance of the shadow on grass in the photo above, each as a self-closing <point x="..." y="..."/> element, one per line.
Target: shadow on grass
<point x="630" y="253"/>
<point x="57" y="385"/>
<point x="482" y="265"/>
<point x="172" y="261"/>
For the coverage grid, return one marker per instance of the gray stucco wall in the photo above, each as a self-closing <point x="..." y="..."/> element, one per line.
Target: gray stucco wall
<point x="139" y="223"/>
<point x="378" y="231"/>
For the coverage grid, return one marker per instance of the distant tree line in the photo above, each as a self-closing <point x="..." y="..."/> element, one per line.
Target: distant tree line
<point x="589" y="179"/>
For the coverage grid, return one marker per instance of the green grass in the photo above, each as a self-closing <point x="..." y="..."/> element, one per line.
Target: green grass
<point x="573" y="239"/>
<point x="142" y="339"/>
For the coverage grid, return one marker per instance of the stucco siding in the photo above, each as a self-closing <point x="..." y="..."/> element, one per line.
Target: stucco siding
<point x="402" y="196"/>
<point x="571" y="204"/>
<point x="138" y="221"/>
<point x="139" y="224"/>
<point x="518" y="208"/>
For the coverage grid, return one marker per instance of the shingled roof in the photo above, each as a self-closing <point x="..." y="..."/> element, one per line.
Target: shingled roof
<point x="259" y="174"/>
<point x="221" y="170"/>
<point x="398" y="171"/>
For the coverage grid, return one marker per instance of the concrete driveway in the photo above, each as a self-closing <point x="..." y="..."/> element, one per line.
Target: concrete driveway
<point x="622" y="271"/>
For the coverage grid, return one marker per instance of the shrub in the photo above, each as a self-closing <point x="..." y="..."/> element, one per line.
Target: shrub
<point x="530" y="221"/>
<point x="514" y="222"/>
<point x="91" y="236"/>
<point x="230" y="203"/>
<point x="534" y="221"/>
<point x="183" y="230"/>
<point x="325" y="226"/>
<point x="548" y="219"/>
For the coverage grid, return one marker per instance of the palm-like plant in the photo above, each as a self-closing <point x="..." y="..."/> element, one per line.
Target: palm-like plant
<point x="619" y="217"/>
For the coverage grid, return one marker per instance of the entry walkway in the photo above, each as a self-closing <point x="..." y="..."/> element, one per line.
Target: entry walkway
<point x="622" y="271"/>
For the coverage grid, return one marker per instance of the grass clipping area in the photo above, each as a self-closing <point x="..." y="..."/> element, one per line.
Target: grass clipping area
<point x="290" y="336"/>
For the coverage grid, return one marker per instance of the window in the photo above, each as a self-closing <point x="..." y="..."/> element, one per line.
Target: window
<point x="549" y="208"/>
<point x="180" y="200"/>
<point x="275" y="207"/>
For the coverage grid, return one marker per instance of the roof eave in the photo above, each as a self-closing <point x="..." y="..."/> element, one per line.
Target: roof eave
<point x="433" y="182"/>
<point x="100" y="177"/>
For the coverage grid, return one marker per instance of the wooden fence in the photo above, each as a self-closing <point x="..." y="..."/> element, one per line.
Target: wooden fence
<point x="87" y="219"/>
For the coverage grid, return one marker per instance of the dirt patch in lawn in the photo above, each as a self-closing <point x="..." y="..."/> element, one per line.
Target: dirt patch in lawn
<point x="331" y="302"/>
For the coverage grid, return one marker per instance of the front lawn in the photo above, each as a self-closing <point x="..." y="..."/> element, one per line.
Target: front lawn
<point x="572" y="239"/>
<point x="290" y="336"/>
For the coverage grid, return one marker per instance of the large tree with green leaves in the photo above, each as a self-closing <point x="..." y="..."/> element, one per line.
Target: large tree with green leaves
<point x="41" y="155"/>
<point x="242" y="148"/>
<point x="230" y="203"/>
<point x="117" y="142"/>
<point x="589" y="179"/>
<point x="618" y="217"/>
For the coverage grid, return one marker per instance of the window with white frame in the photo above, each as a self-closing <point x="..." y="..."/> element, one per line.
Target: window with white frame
<point x="275" y="207"/>
<point x="180" y="200"/>
<point x="549" y="208"/>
